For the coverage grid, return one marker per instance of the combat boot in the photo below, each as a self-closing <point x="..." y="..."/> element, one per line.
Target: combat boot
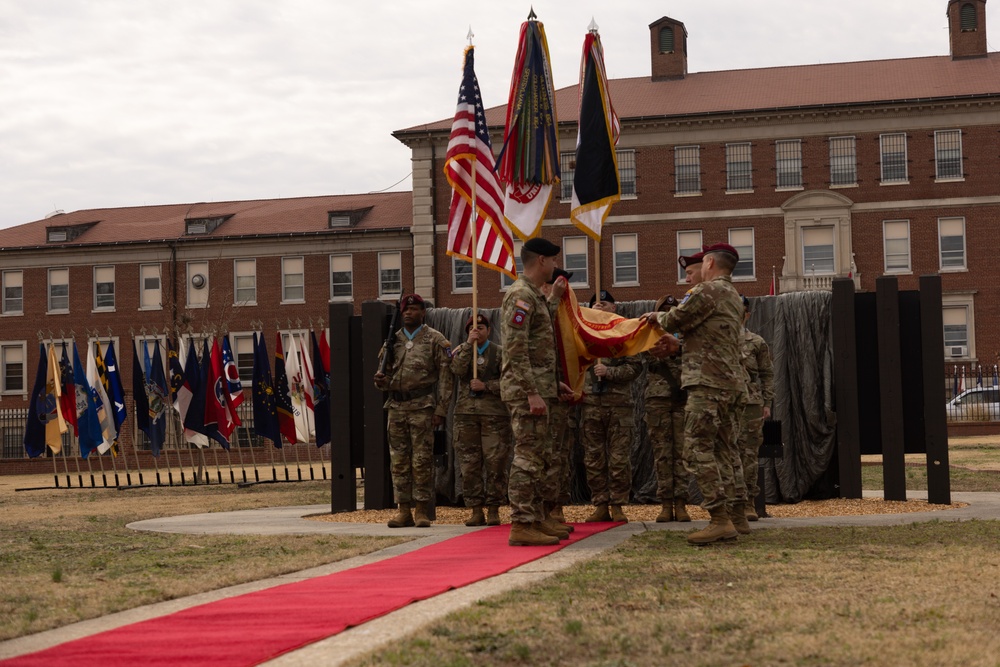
<point x="557" y="513"/>
<point x="403" y="518"/>
<point x="477" y="518"/>
<point x="720" y="528"/>
<point x="751" y="512"/>
<point x="420" y="519"/>
<point x="618" y="515"/>
<point x="493" y="516"/>
<point x="600" y="514"/>
<point x="667" y="513"/>
<point x="680" y="510"/>
<point x="548" y="527"/>
<point x="738" y="515"/>
<point x="524" y="535"/>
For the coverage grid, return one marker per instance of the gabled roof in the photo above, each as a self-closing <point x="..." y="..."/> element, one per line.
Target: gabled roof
<point x="773" y="88"/>
<point x="264" y="217"/>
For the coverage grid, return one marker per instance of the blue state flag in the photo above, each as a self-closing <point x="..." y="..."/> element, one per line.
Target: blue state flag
<point x="321" y="393"/>
<point x="139" y="397"/>
<point x="116" y="390"/>
<point x="88" y="421"/>
<point x="38" y="411"/>
<point x="265" y="405"/>
<point x="157" y="392"/>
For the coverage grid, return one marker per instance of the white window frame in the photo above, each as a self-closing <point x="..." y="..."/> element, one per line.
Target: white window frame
<point x="142" y="287"/>
<point x="624" y="240"/>
<point x="286" y="276"/>
<point x="896" y="224"/>
<point x="50" y="285"/>
<point x="687" y="156"/>
<point x="806" y="270"/>
<point x="731" y="163"/>
<point x="382" y="281"/>
<point x="788" y="152"/>
<point x="745" y="256"/>
<point x="965" y="247"/>
<point x="505" y="280"/>
<point x="966" y="301"/>
<point x="23" y="347"/>
<point x="466" y="266"/>
<point x="237" y="263"/>
<point x="567" y="172"/>
<point x="939" y="138"/>
<point x="687" y="250"/>
<point x="839" y="156"/>
<point x="350" y="261"/>
<point x="106" y="308"/>
<point x="20" y="280"/>
<point x="197" y="297"/>
<point x="235" y="340"/>
<point x="882" y="140"/>
<point x="577" y="280"/>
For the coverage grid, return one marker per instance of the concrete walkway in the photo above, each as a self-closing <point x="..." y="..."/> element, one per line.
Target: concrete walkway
<point x="379" y="632"/>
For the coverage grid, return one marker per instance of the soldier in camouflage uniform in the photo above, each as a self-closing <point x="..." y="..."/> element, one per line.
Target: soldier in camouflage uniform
<point x="665" y="424"/>
<point x="711" y="321"/>
<point x="419" y="383"/>
<point x="608" y="428"/>
<point x="528" y="385"/>
<point x="760" y="392"/>
<point x="481" y="424"/>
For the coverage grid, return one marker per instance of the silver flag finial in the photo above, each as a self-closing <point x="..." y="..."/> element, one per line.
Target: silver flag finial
<point x="470" y="35"/>
<point x="531" y="14"/>
<point x="592" y="28"/>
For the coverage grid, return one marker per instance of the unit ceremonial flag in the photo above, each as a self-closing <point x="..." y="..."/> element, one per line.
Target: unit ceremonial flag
<point x="529" y="161"/>
<point x="471" y="152"/>
<point x="596" y="185"/>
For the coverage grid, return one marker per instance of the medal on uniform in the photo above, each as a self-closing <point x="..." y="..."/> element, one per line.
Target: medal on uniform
<point x="481" y="360"/>
<point x="409" y="345"/>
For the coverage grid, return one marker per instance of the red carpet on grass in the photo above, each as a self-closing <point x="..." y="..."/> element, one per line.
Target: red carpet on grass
<point x="252" y="628"/>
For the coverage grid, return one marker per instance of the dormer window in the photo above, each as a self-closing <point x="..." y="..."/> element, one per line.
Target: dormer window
<point x="336" y="219"/>
<point x="66" y="233"/>
<point x="340" y="220"/>
<point x="201" y="226"/>
<point x="968" y="21"/>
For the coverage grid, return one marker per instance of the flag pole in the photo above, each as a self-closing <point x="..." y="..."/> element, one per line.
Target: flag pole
<point x="474" y="219"/>
<point x="597" y="269"/>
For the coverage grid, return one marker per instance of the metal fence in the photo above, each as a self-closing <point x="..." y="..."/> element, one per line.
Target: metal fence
<point x="973" y="392"/>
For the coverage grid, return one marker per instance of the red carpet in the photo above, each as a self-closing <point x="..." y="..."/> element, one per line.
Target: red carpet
<point x="252" y="628"/>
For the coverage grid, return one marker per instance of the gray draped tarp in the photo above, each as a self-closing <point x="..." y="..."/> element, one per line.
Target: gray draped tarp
<point x="797" y="329"/>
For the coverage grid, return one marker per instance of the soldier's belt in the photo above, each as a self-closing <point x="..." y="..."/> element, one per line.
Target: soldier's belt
<point x="403" y="396"/>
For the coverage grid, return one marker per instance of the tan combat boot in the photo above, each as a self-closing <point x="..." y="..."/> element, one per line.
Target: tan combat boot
<point x="751" y="512"/>
<point x="600" y="514"/>
<point x="680" y="511"/>
<point x="720" y="528"/>
<point x="420" y="519"/>
<point x="557" y="513"/>
<point x="618" y="515"/>
<point x="667" y="513"/>
<point x="493" y="516"/>
<point x="551" y="527"/>
<point x="477" y="518"/>
<point x="738" y="515"/>
<point x="523" y="535"/>
<point x="403" y="518"/>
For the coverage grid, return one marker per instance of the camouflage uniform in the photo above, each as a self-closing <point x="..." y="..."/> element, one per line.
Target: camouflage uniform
<point x="608" y="426"/>
<point x="481" y="427"/>
<point x="665" y="423"/>
<point x="561" y="433"/>
<point x="528" y="366"/>
<point x="760" y="392"/>
<point x="413" y="401"/>
<point x="711" y="320"/>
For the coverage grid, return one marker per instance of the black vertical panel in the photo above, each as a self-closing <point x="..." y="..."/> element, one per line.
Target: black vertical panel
<point x="866" y="337"/>
<point x="378" y="481"/>
<point x="935" y="419"/>
<point x="891" y="387"/>
<point x="343" y="485"/>
<point x="912" y="372"/>
<point x="357" y="394"/>
<point x="845" y="369"/>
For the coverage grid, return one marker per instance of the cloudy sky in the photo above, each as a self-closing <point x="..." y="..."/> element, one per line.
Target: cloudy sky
<point x="110" y="103"/>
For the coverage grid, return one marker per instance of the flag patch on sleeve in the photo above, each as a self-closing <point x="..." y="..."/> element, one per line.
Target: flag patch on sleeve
<point x="518" y="318"/>
<point x="523" y="305"/>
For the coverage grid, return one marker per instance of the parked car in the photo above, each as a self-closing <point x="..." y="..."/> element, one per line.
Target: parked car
<point x="977" y="404"/>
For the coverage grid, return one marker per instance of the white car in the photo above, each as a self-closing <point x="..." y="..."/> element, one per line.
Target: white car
<point x="977" y="404"/>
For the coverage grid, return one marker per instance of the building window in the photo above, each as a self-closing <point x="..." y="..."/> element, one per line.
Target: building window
<point x="58" y="290"/>
<point x="13" y="292"/>
<point x="626" y="173"/>
<point x="688" y="243"/>
<point x="817" y="250"/>
<point x="951" y="237"/>
<point x="666" y="40"/>
<point x="390" y="276"/>
<point x="968" y="20"/>
<point x="104" y="288"/>
<point x="292" y="280"/>
<point x="197" y="284"/>
<point x="341" y="277"/>
<point x="505" y="280"/>
<point x="948" y="154"/>
<point x="687" y="170"/>
<point x="626" y="249"/>
<point x="575" y="259"/>
<point x="956" y="330"/>
<point x="788" y="160"/>
<point x="461" y="275"/>
<point x="896" y="239"/>
<point x="843" y="161"/>
<point x="739" y="168"/>
<point x="149" y="287"/>
<point x="245" y="282"/>
<point x="894" y="158"/>
<point x="567" y="168"/>
<point x="742" y="242"/>
<point x="243" y="351"/>
<point x="13" y="359"/>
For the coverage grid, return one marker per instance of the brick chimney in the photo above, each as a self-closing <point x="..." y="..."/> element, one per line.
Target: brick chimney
<point x="967" y="28"/>
<point x="668" y="49"/>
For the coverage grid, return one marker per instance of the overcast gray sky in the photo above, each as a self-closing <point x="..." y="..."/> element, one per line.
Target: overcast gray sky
<point x="109" y="103"/>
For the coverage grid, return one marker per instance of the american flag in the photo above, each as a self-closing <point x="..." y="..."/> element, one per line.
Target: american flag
<point x="469" y="145"/>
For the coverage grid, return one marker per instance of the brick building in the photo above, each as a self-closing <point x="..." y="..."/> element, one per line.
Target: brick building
<point x="857" y="169"/>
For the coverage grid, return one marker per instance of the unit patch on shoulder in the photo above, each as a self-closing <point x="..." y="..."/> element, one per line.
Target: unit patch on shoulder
<point x="518" y="318"/>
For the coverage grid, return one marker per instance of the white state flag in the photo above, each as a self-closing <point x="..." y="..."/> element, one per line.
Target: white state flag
<point x="296" y="390"/>
<point x="108" y="433"/>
